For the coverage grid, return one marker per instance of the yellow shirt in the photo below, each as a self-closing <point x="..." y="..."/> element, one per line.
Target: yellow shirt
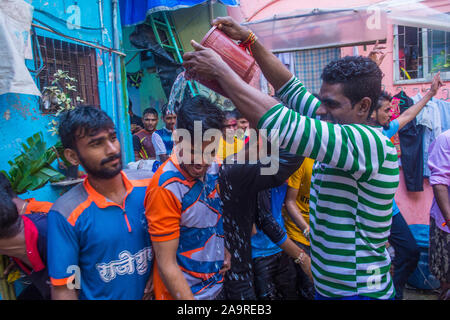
<point x="226" y="149"/>
<point x="300" y="180"/>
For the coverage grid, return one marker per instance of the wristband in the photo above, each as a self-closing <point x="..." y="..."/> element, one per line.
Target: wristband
<point x="247" y="43"/>
<point x="299" y="258"/>
<point x="306" y="233"/>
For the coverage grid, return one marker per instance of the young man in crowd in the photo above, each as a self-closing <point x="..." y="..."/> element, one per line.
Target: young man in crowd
<point x="439" y="258"/>
<point x="34" y="233"/>
<point x="24" y="206"/>
<point x="229" y="143"/>
<point x="142" y="140"/>
<point x="356" y="175"/>
<point x="162" y="139"/>
<point x="98" y="243"/>
<point x="242" y="127"/>
<point x="23" y="237"/>
<point x="407" y="252"/>
<point x="296" y="219"/>
<point x="136" y="124"/>
<point x="184" y="211"/>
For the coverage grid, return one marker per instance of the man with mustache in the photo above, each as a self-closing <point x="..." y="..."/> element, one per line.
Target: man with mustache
<point x="356" y="172"/>
<point x="97" y="231"/>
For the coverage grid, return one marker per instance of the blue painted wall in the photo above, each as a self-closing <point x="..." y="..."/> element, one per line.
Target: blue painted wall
<point x="19" y="114"/>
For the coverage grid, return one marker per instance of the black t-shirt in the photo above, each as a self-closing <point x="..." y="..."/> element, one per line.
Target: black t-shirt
<point x="239" y="187"/>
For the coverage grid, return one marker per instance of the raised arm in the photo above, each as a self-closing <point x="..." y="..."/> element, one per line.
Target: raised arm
<point x="273" y="69"/>
<point x="414" y="110"/>
<point x="354" y="148"/>
<point x="297" y="97"/>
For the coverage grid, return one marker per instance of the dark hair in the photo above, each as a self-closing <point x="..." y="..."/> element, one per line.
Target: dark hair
<point x="384" y="96"/>
<point x="165" y="110"/>
<point x="230" y="114"/>
<point x="150" y="111"/>
<point x="10" y="222"/>
<point x="199" y="108"/>
<point x="5" y="185"/>
<point x="360" y="77"/>
<point x="81" y="121"/>
<point x="238" y="114"/>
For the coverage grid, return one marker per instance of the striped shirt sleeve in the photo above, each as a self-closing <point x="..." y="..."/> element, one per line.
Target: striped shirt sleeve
<point x="356" y="149"/>
<point x="295" y="96"/>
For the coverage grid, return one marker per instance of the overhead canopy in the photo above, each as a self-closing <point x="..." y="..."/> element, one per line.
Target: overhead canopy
<point x="134" y="12"/>
<point x="423" y="14"/>
<point x="318" y="28"/>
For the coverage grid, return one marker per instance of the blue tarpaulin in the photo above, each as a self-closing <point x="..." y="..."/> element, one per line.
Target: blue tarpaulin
<point x="133" y="12"/>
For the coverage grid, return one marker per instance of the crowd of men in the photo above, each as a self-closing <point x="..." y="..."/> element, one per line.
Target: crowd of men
<point x="205" y="222"/>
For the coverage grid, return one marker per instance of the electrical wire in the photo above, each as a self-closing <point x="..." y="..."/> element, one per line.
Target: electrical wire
<point x="46" y="27"/>
<point x="58" y="19"/>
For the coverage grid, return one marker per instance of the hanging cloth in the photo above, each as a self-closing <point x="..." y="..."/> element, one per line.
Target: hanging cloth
<point x="411" y="137"/>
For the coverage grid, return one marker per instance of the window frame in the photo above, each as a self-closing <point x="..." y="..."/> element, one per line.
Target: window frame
<point x="87" y="70"/>
<point x="427" y="76"/>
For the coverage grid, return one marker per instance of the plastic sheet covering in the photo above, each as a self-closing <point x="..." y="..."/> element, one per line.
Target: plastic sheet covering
<point x="344" y="26"/>
<point x="307" y="29"/>
<point x="15" y="24"/>
<point x="135" y="11"/>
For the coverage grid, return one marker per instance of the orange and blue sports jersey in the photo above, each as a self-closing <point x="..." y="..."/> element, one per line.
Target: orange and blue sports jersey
<point x="103" y="245"/>
<point x="34" y="206"/>
<point x="178" y="206"/>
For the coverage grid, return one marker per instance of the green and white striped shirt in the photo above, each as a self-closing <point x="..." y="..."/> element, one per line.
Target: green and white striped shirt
<point x="354" y="181"/>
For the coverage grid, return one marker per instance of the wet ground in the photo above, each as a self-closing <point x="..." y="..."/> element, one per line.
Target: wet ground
<point x="417" y="294"/>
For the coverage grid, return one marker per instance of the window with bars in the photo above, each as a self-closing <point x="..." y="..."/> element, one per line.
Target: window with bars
<point x="419" y="53"/>
<point x="80" y="63"/>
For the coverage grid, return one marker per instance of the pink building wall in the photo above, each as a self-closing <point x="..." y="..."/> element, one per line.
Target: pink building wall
<point x="415" y="206"/>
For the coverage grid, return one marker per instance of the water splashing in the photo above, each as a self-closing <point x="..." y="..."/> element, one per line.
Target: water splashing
<point x="177" y="92"/>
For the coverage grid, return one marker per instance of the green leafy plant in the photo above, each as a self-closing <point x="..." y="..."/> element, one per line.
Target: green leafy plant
<point x="32" y="169"/>
<point x="60" y="95"/>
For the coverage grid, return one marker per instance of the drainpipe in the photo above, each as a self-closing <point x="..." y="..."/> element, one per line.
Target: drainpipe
<point x="123" y="123"/>
<point x="211" y="11"/>
<point x="105" y="68"/>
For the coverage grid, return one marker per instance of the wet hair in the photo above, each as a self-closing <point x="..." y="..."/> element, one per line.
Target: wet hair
<point x="10" y="222"/>
<point x="199" y="108"/>
<point x="5" y="185"/>
<point x="165" y="110"/>
<point x="239" y="115"/>
<point x="150" y="111"/>
<point x="81" y="121"/>
<point x="231" y="114"/>
<point x="360" y="77"/>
